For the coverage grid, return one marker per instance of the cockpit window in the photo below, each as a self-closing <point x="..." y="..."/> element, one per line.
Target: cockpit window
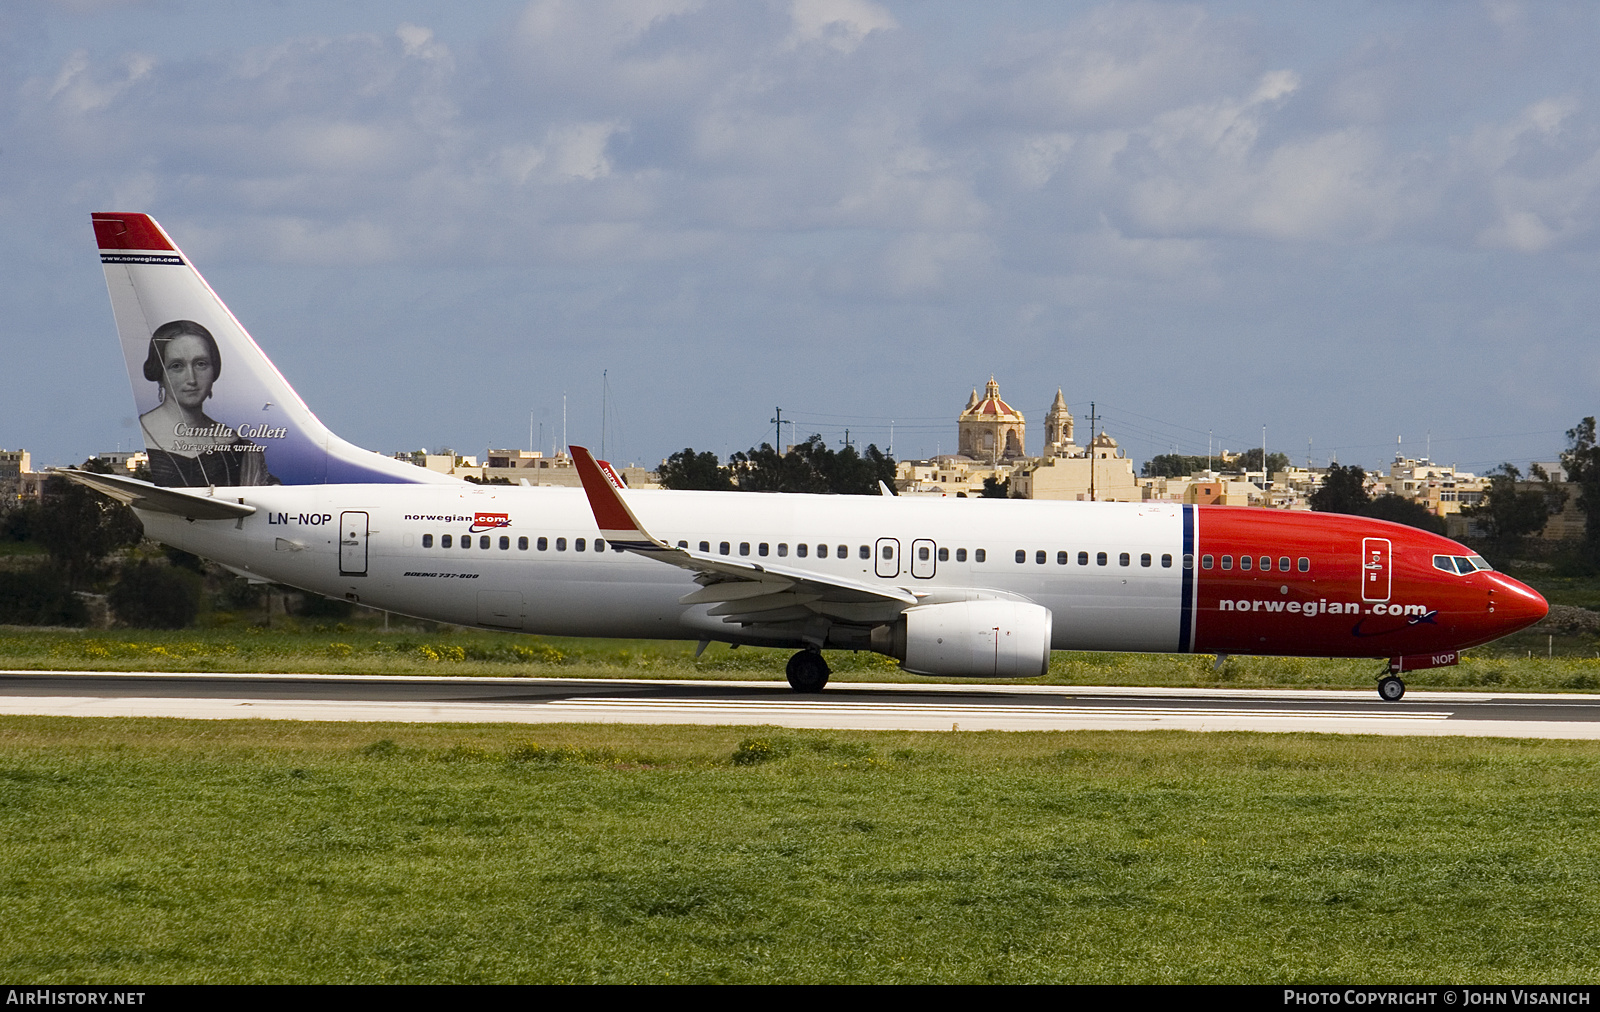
<point x="1462" y="564"/>
<point x="1482" y="563"/>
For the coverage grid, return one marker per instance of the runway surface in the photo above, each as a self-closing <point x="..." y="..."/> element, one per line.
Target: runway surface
<point x="923" y="707"/>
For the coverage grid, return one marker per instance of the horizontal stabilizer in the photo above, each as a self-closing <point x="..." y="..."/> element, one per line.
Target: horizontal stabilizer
<point x="142" y="495"/>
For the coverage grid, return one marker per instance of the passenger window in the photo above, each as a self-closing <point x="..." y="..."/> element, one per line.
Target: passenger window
<point x="1083" y="558"/>
<point x="1038" y="558"/>
<point x="1100" y="558"/>
<point x="1227" y="562"/>
<point x="1206" y="561"/>
<point x="865" y="552"/>
<point x="543" y="544"/>
<point x="961" y="555"/>
<point x="445" y="541"/>
<point x="1022" y="556"/>
<point x="1124" y="559"/>
<point x="723" y="548"/>
<point x="1144" y="560"/>
<point x="522" y="544"/>
<point x="761" y="549"/>
<point x="705" y="546"/>
<point x="1245" y="562"/>
<point x="822" y="551"/>
<point x="922" y="554"/>
<point x="1061" y="558"/>
<point x="427" y="541"/>
<point x="888" y="552"/>
<point x="577" y="545"/>
<point x="599" y="544"/>
<point x="1166" y="562"/>
<point x="744" y="548"/>
<point x="1188" y="560"/>
<point x="1283" y="563"/>
<point x="505" y="542"/>
<point x="561" y="544"/>
<point x="466" y="541"/>
<point x="1305" y="564"/>
<point x="801" y="550"/>
<point x="1266" y="563"/>
<point x="944" y="555"/>
<point x="977" y="555"/>
<point x="683" y="544"/>
<point x="783" y="550"/>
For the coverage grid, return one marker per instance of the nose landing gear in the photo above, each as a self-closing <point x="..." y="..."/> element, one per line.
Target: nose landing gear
<point x="1390" y="689"/>
<point x="807" y="671"/>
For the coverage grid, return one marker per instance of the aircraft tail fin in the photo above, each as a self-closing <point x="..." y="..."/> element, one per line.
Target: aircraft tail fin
<point x="213" y="408"/>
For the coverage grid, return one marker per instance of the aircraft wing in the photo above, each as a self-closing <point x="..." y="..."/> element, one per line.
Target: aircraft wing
<point x="155" y="498"/>
<point x="739" y="591"/>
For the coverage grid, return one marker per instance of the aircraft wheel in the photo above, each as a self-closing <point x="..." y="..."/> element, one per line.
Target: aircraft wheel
<point x="1391" y="689"/>
<point x="807" y="671"/>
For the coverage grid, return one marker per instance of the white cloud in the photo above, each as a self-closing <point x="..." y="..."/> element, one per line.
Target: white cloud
<point x="839" y="24"/>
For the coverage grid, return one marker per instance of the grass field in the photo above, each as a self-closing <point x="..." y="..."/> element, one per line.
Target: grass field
<point x="363" y="649"/>
<point x="169" y="851"/>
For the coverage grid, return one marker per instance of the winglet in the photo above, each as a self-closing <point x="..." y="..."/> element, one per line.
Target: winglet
<point x="616" y="521"/>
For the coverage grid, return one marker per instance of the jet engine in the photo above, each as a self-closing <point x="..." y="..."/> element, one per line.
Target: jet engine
<point x="970" y="639"/>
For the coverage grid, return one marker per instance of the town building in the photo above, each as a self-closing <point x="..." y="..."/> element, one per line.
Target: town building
<point x="519" y="467"/>
<point x="992" y="440"/>
<point x="13" y="463"/>
<point x="1440" y="488"/>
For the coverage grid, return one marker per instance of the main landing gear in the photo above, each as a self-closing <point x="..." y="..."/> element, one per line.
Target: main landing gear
<point x="1390" y="689"/>
<point x="807" y="671"/>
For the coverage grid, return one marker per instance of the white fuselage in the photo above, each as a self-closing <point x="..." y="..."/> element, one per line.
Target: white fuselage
<point x="383" y="546"/>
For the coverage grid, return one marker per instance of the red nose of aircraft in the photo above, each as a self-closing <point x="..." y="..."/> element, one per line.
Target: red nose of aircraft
<point x="1514" y="605"/>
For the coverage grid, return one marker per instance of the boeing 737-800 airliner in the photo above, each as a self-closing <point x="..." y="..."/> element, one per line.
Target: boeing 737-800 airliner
<point x="245" y="475"/>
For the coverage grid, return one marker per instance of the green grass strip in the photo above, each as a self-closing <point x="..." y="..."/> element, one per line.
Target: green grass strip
<point x="155" y="851"/>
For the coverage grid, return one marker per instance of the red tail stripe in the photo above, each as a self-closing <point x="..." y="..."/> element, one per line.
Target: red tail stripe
<point x="115" y="230"/>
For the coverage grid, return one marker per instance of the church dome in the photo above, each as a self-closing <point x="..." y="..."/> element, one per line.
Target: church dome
<point x="990" y="408"/>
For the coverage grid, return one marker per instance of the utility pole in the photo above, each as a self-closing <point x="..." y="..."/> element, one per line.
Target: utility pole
<point x="777" y="428"/>
<point x="847" y="438"/>
<point x="1092" y="433"/>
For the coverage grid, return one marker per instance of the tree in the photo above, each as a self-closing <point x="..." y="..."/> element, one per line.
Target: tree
<point x="1400" y="510"/>
<point x="79" y="527"/>
<point x="1250" y="460"/>
<point x="993" y="489"/>
<point x="1343" y="490"/>
<point x="149" y="596"/>
<point x="1507" y="514"/>
<point x="1174" y="465"/>
<point x="1582" y="462"/>
<point x="812" y="466"/>
<point x="689" y="470"/>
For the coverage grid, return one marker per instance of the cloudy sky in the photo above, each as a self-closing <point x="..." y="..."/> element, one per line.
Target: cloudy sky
<point x="1344" y="222"/>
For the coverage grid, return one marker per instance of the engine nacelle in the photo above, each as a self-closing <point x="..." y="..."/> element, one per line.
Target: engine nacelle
<point x="970" y="639"/>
